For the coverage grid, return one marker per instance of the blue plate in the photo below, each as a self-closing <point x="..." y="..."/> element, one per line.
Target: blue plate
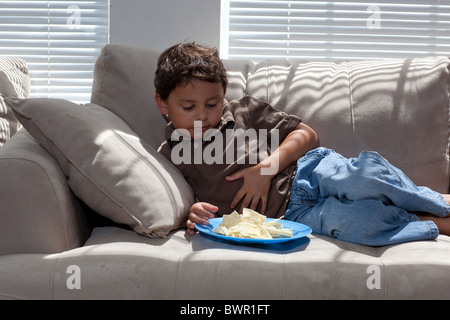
<point x="298" y="231"/>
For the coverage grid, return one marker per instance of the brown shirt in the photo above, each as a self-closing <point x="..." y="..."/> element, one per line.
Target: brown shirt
<point x="248" y="128"/>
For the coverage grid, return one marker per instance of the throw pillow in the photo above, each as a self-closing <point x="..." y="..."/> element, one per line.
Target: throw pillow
<point x="108" y="167"/>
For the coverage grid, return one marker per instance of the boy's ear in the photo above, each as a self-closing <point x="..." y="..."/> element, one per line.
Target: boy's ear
<point x="162" y="105"/>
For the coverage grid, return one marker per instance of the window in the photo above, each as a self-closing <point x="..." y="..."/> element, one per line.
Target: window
<point x="59" y="40"/>
<point x="334" y="30"/>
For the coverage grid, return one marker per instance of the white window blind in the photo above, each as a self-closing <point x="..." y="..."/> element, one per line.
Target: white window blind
<point x="59" y="40"/>
<point x="334" y="30"/>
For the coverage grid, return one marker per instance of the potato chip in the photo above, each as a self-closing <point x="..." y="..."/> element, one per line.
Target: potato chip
<point x="251" y="224"/>
<point x="230" y="220"/>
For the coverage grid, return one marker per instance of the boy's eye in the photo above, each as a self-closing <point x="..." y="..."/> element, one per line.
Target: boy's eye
<point x="211" y="105"/>
<point x="188" y="108"/>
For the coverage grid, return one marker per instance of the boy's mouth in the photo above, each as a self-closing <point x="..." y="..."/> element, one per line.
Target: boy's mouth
<point x="200" y="127"/>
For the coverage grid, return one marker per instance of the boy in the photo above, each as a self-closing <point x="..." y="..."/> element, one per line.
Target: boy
<point x="334" y="196"/>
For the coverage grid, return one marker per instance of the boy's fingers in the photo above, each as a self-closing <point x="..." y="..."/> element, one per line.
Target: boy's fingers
<point x="198" y="219"/>
<point x="239" y="195"/>
<point x="263" y="205"/>
<point x="190" y="227"/>
<point x="235" y="176"/>
<point x="247" y="201"/>
<point x="200" y="215"/>
<point x="190" y="224"/>
<point x="210" y="208"/>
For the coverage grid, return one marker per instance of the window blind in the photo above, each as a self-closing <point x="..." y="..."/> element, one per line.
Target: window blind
<point x="334" y="30"/>
<point x="59" y="40"/>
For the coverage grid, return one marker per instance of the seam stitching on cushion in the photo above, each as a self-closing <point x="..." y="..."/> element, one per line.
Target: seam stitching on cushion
<point x="283" y="293"/>
<point x="448" y="125"/>
<point x="52" y="278"/>
<point x="179" y="276"/>
<point x="105" y="65"/>
<point x="250" y="71"/>
<point x="170" y="193"/>
<point x="384" y="271"/>
<point x="352" y="111"/>
<point x="268" y="81"/>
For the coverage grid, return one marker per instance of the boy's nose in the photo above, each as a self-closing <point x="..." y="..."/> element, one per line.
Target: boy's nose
<point x="202" y="115"/>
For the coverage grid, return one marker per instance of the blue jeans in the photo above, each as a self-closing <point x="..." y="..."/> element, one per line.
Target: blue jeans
<point x="363" y="200"/>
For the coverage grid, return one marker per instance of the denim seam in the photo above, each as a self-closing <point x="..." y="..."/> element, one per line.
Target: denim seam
<point x="434" y="231"/>
<point x="301" y="197"/>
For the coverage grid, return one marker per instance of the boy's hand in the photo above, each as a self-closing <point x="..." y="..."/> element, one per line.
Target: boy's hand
<point x="199" y="213"/>
<point x="255" y="188"/>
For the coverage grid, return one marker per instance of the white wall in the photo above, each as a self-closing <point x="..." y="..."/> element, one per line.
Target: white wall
<point x="159" y="24"/>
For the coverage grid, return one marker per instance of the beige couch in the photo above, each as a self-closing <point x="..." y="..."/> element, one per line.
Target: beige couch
<point x="89" y="210"/>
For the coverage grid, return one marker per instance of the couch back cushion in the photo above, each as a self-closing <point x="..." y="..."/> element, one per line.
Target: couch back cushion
<point x="14" y="82"/>
<point x="399" y="108"/>
<point x="123" y="84"/>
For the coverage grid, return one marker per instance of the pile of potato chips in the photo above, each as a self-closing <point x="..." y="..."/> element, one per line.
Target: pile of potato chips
<point x="252" y="225"/>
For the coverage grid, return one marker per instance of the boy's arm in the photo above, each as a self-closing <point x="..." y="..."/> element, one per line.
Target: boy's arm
<point x="257" y="179"/>
<point x="295" y="145"/>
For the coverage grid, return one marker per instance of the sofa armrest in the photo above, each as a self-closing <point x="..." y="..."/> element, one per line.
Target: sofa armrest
<point x="38" y="211"/>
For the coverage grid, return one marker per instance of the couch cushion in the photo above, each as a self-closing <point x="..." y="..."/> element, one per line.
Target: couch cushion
<point x="399" y="108"/>
<point x="123" y="84"/>
<point x="107" y="165"/>
<point x="119" y="264"/>
<point x="14" y="82"/>
<point x="316" y="267"/>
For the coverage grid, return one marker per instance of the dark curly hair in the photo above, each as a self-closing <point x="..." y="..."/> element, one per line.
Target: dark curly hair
<point x="184" y="62"/>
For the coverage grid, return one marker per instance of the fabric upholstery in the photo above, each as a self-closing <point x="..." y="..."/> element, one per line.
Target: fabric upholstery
<point x="107" y="166"/>
<point x="14" y="82"/>
<point x="38" y="211"/>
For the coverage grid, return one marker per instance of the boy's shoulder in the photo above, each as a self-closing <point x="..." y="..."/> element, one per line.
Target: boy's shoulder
<point x="258" y="111"/>
<point x="247" y="107"/>
<point x="246" y="102"/>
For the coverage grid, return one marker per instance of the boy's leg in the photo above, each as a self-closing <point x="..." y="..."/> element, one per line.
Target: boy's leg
<point x="442" y="223"/>
<point x="446" y="198"/>
<point x="347" y="199"/>
<point x="367" y="222"/>
<point x="370" y="176"/>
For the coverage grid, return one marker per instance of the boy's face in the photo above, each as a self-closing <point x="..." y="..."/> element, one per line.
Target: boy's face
<point x="197" y="101"/>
